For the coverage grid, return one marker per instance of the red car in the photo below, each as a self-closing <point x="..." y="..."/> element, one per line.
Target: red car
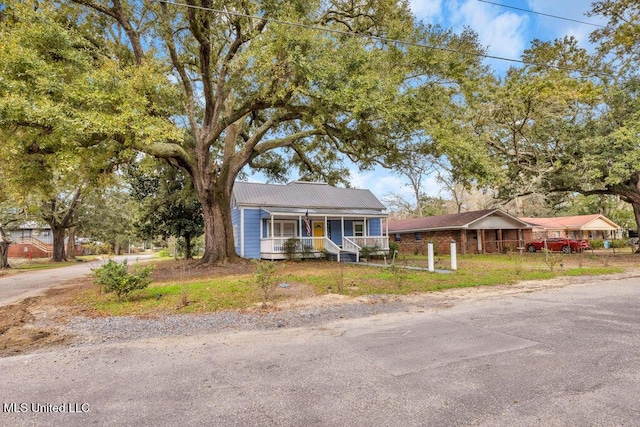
<point x="558" y="244"/>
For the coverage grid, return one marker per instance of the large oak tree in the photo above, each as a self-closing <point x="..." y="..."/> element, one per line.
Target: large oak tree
<point x="255" y="90"/>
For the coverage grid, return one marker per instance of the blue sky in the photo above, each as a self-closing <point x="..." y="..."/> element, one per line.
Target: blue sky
<point x="506" y="33"/>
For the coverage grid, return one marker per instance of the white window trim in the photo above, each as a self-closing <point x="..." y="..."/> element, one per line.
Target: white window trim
<point x="361" y="223"/>
<point x="280" y="222"/>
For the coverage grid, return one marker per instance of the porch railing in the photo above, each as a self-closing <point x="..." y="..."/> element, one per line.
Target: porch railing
<point x="313" y="245"/>
<point x="44" y="247"/>
<point x="378" y="242"/>
<point x="303" y="244"/>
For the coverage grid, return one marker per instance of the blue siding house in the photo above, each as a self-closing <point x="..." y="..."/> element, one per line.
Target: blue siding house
<point x="323" y="219"/>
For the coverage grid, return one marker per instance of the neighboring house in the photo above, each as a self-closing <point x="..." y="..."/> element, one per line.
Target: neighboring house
<point x="31" y="240"/>
<point x="34" y="240"/>
<point x="326" y="220"/>
<point x="485" y="231"/>
<point x="573" y="227"/>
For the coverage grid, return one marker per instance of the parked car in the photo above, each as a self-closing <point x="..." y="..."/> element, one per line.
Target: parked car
<point x="558" y="244"/>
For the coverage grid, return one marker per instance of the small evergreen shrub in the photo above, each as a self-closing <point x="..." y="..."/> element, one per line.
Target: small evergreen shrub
<point x="290" y="247"/>
<point x="115" y="277"/>
<point x="619" y="243"/>
<point x="597" y="243"/>
<point x="366" y="251"/>
<point x="393" y="247"/>
<point x="267" y="276"/>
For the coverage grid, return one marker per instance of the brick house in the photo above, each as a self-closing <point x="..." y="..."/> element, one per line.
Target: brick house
<point x="586" y="227"/>
<point x="485" y="231"/>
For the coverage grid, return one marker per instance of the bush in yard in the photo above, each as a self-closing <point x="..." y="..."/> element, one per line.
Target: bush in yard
<point x="619" y="244"/>
<point x="290" y="247"/>
<point x="366" y="251"/>
<point x="393" y="247"/>
<point x="596" y="243"/>
<point x="115" y="277"/>
<point x="267" y="276"/>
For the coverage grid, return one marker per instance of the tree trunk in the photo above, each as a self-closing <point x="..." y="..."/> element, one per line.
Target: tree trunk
<point x="58" y="244"/>
<point x="71" y="243"/>
<point x="187" y="247"/>
<point x="219" y="245"/>
<point x="4" y="254"/>
<point x="636" y="213"/>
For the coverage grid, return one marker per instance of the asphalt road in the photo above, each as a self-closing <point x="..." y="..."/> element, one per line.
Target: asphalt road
<point x="22" y="285"/>
<point x="556" y="357"/>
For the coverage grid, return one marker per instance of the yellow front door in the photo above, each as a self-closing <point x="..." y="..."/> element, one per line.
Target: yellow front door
<point x="318" y="231"/>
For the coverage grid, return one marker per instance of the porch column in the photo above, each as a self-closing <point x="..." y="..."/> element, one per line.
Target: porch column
<point x="342" y="230"/>
<point x="326" y="230"/>
<point x="484" y="241"/>
<point x="520" y="238"/>
<point x="463" y="242"/>
<point x="272" y="227"/>
<point x="299" y="225"/>
<point x="500" y="245"/>
<point x="241" y="233"/>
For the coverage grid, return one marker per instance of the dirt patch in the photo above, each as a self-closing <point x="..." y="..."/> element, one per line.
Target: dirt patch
<point x="37" y="322"/>
<point x="34" y="323"/>
<point x="183" y="270"/>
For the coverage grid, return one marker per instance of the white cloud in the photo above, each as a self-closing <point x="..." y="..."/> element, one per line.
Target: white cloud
<point x="549" y="28"/>
<point x="382" y="182"/>
<point x="502" y="31"/>
<point x="429" y="11"/>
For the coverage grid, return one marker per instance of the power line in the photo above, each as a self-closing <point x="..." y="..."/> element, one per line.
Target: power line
<point x="543" y="14"/>
<point x="380" y="38"/>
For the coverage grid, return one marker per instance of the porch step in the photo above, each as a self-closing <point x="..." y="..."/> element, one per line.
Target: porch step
<point x="347" y="257"/>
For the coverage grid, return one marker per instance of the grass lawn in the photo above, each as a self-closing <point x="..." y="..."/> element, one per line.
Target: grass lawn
<point x="182" y="287"/>
<point x="20" y="264"/>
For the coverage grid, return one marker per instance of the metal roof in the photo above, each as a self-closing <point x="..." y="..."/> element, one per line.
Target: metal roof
<point x="307" y="195"/>
<point x="324" y="212"/>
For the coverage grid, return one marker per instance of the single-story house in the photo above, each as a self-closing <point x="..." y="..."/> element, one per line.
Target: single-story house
<point x="34" y="240"/>
<point x="31" y="240"/>
<point x="573" y="227"/>
<point x="325" y="220"/>
<point x="484" y="231"/>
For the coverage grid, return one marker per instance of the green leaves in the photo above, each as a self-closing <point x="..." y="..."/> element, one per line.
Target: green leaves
<point x="115" y="277"/>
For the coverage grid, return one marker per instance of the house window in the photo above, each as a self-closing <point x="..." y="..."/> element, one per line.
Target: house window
<point x="358" y="229"/>
<point x="286" y="228"/>
<point x="417" y="237"/>
<point x="397" y="237"/>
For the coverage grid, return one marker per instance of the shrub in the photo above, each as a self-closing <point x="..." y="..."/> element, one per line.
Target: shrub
<point x="366" y="251"/>
<point x="552" y="259"/>
<point x="290" y="247"/>
<point x="619" y="243"/>
<point x="267" y="277"/>
<point x="163" y="253"/>
<point x="393" y="247"/>
<point x="597" y="243"/>
<point x="115" y="277"/>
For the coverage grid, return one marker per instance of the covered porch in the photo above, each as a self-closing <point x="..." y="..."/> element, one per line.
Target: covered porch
<point x="338" y="234"/>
